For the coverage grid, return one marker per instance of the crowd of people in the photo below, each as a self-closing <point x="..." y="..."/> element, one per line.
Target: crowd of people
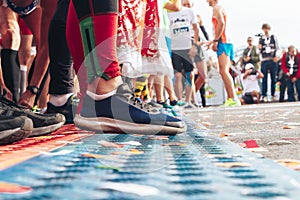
<point x="130" y="60"/>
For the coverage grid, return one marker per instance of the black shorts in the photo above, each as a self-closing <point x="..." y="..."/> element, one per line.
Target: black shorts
<point x="182" y="61"/>
<point x="247" y="97"/>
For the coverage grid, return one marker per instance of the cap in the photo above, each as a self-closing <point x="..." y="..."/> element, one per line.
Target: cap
<point x="249" y="66"/>
<point x="266" y="26"/>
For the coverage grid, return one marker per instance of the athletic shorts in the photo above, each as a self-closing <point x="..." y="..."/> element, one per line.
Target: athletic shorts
<point x="182" y="61"/>
<point x="227" y="49"/>
<point x="24" y="28"/>
<point x="200" y="56"/>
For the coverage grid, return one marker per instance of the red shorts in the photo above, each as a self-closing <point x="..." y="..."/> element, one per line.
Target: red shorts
<point x="24" y="28"/>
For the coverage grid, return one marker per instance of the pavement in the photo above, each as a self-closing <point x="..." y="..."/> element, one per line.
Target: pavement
<point x="269" y="129"/>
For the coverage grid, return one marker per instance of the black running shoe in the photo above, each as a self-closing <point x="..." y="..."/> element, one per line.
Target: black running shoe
<point x="13" y="129"/>
<point x="42" y="123"/>
<point x="122" y="113"/>
<point x="66" y="109"/>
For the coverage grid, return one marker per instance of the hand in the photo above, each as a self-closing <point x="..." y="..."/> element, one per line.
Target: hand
<point x="275" y="59"/>
<point x="193" y="51"/>
<point x="294" y="79"/>
<point x="247" y="58"/>
<point x="6" y="92"/>
<point x="27" y="99"/>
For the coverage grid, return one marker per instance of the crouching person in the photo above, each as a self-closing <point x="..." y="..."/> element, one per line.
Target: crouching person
<point x="251" y="92"/>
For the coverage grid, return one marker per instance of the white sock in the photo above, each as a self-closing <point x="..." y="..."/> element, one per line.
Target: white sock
<point x="98" y="97"/>
<point x="59" y="99"/>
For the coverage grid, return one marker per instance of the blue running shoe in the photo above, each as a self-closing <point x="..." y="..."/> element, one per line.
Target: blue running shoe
<point x="123" y="113"/>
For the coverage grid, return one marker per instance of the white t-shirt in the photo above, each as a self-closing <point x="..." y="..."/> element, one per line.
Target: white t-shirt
<point x="181" y="28"/>
<point x="250" y="83"/>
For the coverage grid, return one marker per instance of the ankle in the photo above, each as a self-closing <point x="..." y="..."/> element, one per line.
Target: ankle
<point x="59" y="99"/>
<point x="101" y="86"/>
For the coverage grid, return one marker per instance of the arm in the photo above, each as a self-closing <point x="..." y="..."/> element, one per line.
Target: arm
<point x="283" y="64"/>
<point x="196" y="33"/>
<point x="218" y="13"/>
<point x="298" y="72"/>
<point x="174" y="5"/>
<point x="202" y="27"/>
<point x="260" y="75"/>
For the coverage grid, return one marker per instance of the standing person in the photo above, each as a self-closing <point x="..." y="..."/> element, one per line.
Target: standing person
<point x="200" y="58"/>
<point x="251" y="55"/>
<point x="290" y="66"/>
<point x="222" y="44"/>
<point x="61" y="87"/>
<point x="183" y="49"/>
<point x="108" y="104"/>
<point x="268" y="46"/>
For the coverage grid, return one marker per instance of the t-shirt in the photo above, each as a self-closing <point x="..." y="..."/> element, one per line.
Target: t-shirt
<point x="250" y="83"/>
<point x="181" y="28"/>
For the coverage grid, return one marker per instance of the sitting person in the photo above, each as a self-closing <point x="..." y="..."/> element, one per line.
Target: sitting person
<point x="251" y="92"/>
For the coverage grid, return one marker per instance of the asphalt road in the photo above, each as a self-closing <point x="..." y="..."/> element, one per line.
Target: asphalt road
<point x="269" y="129"/>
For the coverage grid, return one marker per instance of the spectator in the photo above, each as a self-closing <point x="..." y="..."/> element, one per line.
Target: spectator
<point x="251" y="54"/>
<point x="251" y="89"/>
<point x="268" y="46"/>
<point x="290" y="66"/>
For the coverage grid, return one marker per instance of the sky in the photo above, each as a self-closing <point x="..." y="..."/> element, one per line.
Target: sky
<point x="247" y="17"/>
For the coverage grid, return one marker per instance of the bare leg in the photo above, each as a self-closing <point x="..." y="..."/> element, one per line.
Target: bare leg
<point x="202" y="71"/>
<point x="40" y="34"/>
<point x="168" y="85"/>
<point x="224" y="65"/>
<point x="178" y="85"/>
<point x="9" y="29"/>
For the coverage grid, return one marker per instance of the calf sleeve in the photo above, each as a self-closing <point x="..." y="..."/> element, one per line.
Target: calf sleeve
<point x="11" y="71"/>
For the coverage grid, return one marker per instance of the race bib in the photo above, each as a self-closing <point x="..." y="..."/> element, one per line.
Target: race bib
<point x="180" y="28"/>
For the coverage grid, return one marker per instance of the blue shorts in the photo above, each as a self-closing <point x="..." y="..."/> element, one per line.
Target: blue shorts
<point x="227" y="49"/>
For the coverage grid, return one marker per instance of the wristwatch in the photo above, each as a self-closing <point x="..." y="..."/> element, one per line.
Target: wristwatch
<point x="33" y="89"/>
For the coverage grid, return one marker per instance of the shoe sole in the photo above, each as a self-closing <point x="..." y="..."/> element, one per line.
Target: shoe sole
<point x="17" y="134"/>
<point x="46" y="129"/>
<point x="108" y="125"/>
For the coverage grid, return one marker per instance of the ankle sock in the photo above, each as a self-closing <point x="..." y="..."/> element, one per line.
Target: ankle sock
<point x="98" y="97"/>
<point x="59" y="100"/>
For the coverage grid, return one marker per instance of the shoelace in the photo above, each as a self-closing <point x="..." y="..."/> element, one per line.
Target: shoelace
<point x="7" y="103"/>
<point x="144" y="106"/>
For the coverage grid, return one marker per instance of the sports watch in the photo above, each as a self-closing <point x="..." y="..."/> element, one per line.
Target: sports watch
<point x="33" y="89"/>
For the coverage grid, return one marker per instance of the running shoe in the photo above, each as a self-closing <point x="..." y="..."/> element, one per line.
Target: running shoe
<point x="231" y="103"/>
<point x="123" y="113"/>
<point x="154" y="104"/>
<point x="66" y="109"/>
<point x="165" y="105"/>
<point x="177" y="103"/>
<point x="42" y="123"/>
<point x="13" y="129"/>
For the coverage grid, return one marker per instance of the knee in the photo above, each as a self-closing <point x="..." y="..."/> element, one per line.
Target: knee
<point x="11" y="39"/>
<point x="178" y="76"/>
<point x="223" y="73"/>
